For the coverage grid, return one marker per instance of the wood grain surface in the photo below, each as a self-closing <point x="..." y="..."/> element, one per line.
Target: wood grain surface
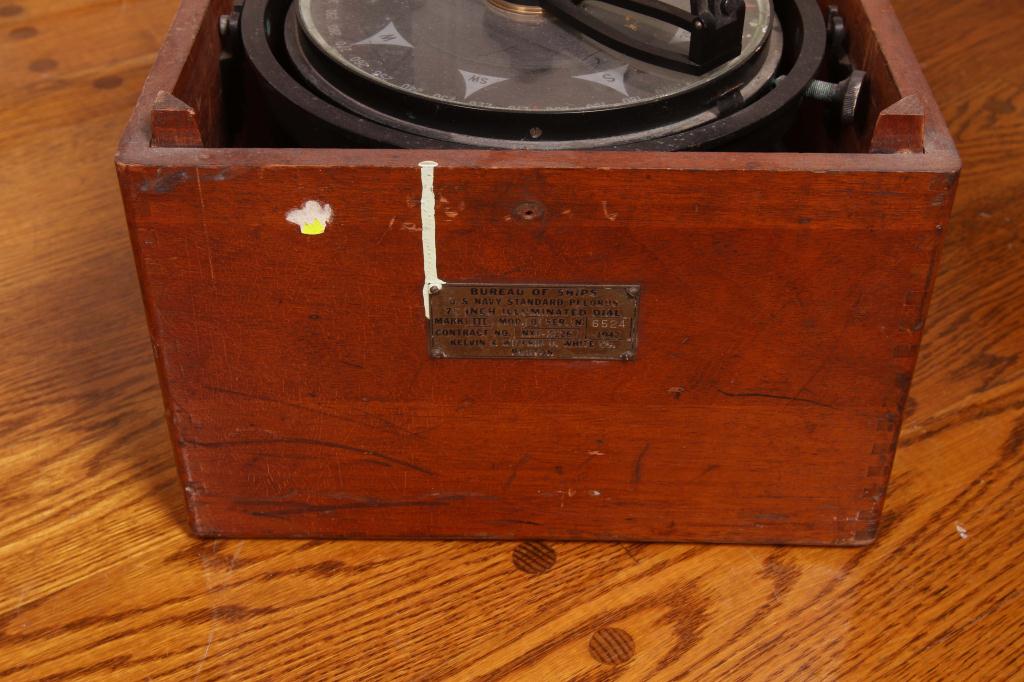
<point x="99" y="580"/>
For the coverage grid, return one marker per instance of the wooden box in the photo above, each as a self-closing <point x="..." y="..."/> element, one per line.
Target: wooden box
<point x="782" y="305"/>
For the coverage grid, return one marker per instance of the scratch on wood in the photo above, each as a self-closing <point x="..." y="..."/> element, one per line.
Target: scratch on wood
<point x="308" y="441"/>
<point x="515" y="471"/>
<point x="202" y="222"/>
<point x="638" y="465"/>
<point x="773" y="396"/>
<point x="163" y="183"/>
<point x="378" y="421"/>
<point x="387" y="229"/>
<point x="289" y="508"/>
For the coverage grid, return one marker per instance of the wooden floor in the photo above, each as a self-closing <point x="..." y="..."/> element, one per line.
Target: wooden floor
<point x="98" y="578"/>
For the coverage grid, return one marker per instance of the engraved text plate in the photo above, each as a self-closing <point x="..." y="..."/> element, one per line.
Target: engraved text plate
<point x="534" y="321"/>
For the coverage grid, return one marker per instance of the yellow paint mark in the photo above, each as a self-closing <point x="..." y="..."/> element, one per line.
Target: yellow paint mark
<point x="312" y="218"/>
<point x="316" y="226"/>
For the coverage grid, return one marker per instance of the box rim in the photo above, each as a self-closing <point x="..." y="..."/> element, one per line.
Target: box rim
<point x="940" y="155"/>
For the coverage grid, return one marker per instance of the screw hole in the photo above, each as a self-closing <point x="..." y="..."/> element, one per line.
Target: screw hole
<point x="529" y="210"/>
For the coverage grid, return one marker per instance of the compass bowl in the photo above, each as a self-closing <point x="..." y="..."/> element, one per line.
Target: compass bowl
<point x="319" y="103"/>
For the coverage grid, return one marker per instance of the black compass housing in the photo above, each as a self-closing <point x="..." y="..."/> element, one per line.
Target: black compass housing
<point x="316" y="103"/>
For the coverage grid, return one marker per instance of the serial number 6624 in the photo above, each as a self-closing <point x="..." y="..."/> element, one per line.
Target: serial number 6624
<point x="610" y="322"/>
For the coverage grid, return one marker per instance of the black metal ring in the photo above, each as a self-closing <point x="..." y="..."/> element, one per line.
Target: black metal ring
<point x="314" y="121"/>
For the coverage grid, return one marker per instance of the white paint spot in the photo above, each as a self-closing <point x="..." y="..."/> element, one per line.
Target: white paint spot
<point x="596" y="453"/>
<point x="312" y="218"/>
<point x="388" y="35"/>
<point x="610" y="215"/>
<point x="429" y="227"/>
<point x="478" y="81"/>
<point x="961" y="531"/>
<point x="595" y="493"/>
<point x="612" y="78"/>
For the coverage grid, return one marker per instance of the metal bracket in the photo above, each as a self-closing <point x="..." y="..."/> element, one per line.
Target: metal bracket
<point x="715" y="27"/>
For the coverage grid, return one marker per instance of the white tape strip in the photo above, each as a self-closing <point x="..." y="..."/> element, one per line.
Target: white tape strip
<point x="427" y="208"/>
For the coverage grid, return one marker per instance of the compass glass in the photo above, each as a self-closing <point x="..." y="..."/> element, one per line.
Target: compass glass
<point x="495" y="55"/>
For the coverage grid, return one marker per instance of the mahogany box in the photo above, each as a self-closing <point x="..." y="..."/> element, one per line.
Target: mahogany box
<point x="778" y="298"/>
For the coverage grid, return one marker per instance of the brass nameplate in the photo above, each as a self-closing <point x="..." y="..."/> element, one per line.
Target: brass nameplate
<point x="534" y="321"/>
